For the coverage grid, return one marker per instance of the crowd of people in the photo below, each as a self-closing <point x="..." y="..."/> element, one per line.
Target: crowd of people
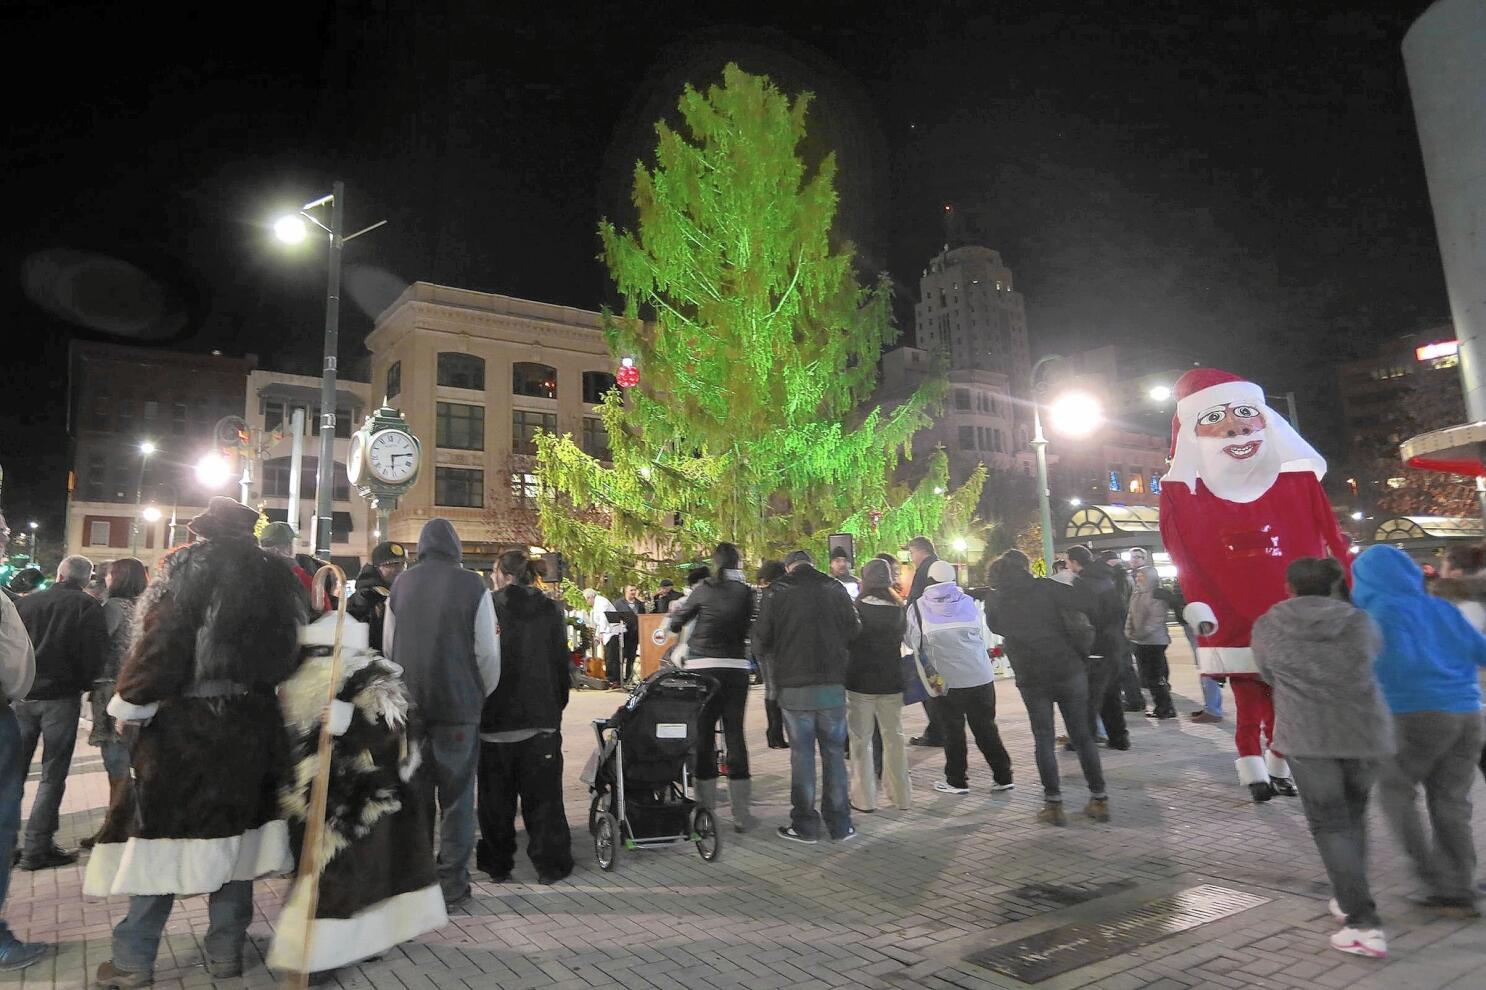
<point x="207" y="682"/>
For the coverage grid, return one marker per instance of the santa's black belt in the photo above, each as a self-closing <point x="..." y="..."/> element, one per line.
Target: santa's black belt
<point x="218" y="689"/>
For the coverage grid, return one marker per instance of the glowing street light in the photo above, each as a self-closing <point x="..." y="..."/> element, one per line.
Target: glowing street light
<point x="1160" y="393"/>
<point x="213" y="471"/>
<point x="1357" y="517"/>
<point x="960" y="545"/>
<point x="1075" y="414"/>
<point x="290" y="229"/>
<point x="147" y="447"/>
<point x="151" y="513"/>
<point x="1075" y="502"/>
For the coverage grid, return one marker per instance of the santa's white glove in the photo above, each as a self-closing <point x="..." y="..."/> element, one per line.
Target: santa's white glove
<point x="123" y="711"/>
<point x="340" y="717"/>
<point x="1200" y="616"/>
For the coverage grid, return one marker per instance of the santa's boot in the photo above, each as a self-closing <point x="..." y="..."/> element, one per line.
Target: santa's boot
<point x="1279" y="774"/>
<point x="705" y="793"/>
<point x="1252" y="773"/>
<point x="740" y="797"/>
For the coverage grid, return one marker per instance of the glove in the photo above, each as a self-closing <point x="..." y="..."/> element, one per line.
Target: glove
<point x="340" y="717"/>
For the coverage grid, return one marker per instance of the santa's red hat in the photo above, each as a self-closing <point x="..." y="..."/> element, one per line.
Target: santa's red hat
<point x="1203" y="387"/>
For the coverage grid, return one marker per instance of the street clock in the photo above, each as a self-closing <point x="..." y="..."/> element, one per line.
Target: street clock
<point x="384" y="460"/>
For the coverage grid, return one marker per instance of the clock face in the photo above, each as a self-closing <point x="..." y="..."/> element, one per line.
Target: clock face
<point x="356" y="459"/>
<point x="392" y="456"/>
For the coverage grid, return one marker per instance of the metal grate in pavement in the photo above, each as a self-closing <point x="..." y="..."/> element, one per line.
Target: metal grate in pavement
<point x="1060" y="950"/>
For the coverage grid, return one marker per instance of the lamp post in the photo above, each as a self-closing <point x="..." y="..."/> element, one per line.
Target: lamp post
<point x="1075" y="414"/>
<point x="175" y="504"/>
<point x="291" y="230"/>
<point x="35" y="526"/>
<point x="146" y="448"/>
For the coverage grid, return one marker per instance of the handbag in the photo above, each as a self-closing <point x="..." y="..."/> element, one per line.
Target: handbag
<point x="916" y="670"/>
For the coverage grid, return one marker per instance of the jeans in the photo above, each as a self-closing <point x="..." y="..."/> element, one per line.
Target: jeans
<point x="115" y="753"/>
<point x="137" y="937"/>
<point x="1334" y="794"/>
<point x="12" y="784"/>
<point x="54" y="722"/>
<point x="1130" y="677"/>
<point x="1072" y="696"/>
<point x="827" y="728"/>
<point x="531" y="771"/>
<point x="1438" y="750"/>
<point x="1212" y="696"/>
<point x="728" y="705"/>
<point x="1155" y="675"/>
<point x="456" y="754"/>
<point x="883" y="712"/>
<point x="1105" y="701"/>
<point x="976" y="705"/>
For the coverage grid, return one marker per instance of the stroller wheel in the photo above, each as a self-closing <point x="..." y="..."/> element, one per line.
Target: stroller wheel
<point x="595" y="809"/>
<point x="607" y="842"/>
<point x="708" y="838"/>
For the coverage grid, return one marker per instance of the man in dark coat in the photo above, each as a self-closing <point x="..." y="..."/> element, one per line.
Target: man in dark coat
<point x="71" y="638"/>
<point x="373" y="585"/>
<point x="218" y="633"/>
<point x="1104" y="592"/>
<point x="667" y="595"/>
<point x="521" y="730"/>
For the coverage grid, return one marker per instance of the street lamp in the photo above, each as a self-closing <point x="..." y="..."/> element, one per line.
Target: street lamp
<point x="213" y="471"/>
<point x="1160" y="393"/>
<point x="33" y="525"/>
<point x="960" y="544"/>
<point x="291" y="229"/>
<point x="1076" y="414"/>
<point x="151" y="513"/>
<point x="146" y="448"/>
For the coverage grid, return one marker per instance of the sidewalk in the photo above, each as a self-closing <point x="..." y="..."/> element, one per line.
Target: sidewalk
<point x="1191" y="885"/>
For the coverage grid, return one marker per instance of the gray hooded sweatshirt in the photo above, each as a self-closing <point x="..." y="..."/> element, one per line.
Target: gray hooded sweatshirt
<point x="440" y="628"/>
<point x="1317" y="654"/>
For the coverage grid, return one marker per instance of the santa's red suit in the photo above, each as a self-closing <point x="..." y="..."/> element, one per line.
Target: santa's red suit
<point x="1241" y="501"/>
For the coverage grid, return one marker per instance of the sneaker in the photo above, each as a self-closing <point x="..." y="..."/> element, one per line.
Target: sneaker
<point x="1446" y="907"/>
<point x="1161" y="713"/>
<point x="1008" y="786"/>
<point x="1052" y="814"/>
<point x="788" y="832"/>
<point x="49" y="858"/>
<point x="1361" y="942"/>
<point x="925" y="741"/>
<point x="945" y="787"/>
<point x="1203" y="718"/>
<point x="851" y="833"/>
<point x="225" y="969"/>
<point x="1097" y="809"/>
<point x="1336" y="910"/>
<point x="16" y="954"/>
<point x="1284" y="785"/>
<point x="111" y="978"/>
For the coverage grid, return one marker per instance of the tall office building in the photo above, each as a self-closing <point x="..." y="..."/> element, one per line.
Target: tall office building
<point x="969" y="313"/>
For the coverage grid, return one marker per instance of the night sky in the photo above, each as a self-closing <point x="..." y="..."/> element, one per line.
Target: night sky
<point x="1226" y="185"/>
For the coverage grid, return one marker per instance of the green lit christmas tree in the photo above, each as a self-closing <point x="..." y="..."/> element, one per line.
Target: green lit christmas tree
<point x="757" y="350"/>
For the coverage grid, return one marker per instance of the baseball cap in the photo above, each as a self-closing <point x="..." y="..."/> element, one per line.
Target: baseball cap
<point x="388" y="552"/>
<point x="941" y="572"/>
<point x="667" y="583"/>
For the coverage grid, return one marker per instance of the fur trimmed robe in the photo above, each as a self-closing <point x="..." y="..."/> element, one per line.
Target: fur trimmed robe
<point x="378" y="885"/>
<point x="217" y="632"/>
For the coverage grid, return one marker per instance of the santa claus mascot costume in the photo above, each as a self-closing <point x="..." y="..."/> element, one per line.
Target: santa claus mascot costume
<point x="1241" y="500"/>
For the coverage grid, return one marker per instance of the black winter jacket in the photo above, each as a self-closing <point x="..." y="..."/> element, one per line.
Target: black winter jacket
<point x="1106" y="600"/>
<point x="723" y="611"/>
<point x="872" y="666"/>
<point x="70" y="636"/>
<point x="1027" y="614"/>
<point x="805" y="625"/>
<point x="369" y="603"/>
<point x="536" y="671"/>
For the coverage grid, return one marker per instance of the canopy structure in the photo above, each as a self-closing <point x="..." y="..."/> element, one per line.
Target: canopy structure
<point x="1453" y="450"/>
<point x="1429" y="532"/>
<point x="1114" y="527"/>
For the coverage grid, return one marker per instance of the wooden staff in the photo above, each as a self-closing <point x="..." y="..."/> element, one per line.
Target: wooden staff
<point x="314" y="821"/>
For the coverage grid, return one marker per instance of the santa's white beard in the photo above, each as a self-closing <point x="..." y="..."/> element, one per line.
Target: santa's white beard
<point x="1237" y="479"/>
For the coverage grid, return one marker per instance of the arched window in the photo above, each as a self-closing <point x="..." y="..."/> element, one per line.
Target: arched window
<point x="536" y="380"/>
<point x="461" y="371"/>
<point x="394" y="379"/>
<point x="595" y="385"/>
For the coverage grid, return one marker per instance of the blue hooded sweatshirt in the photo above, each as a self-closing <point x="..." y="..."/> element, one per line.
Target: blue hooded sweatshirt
<point x="1430" y="651"/>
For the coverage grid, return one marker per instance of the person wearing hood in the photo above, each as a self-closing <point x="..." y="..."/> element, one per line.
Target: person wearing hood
<point x="1028" y="613"/>
<point x="278" y="539"/>
<point x="1428" y="670"/>
<point x="1102" y="589"/>
<point x="946" y="629"/>
<point x="1316" y="651"/>
<point x="521" y="730"/>
<point x="440" y="629"/>
<point x="1145" y="627"/>
<point x="373" y="585"/>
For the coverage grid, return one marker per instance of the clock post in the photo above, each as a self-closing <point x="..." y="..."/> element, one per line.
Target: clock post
<point x="384" y="461"/>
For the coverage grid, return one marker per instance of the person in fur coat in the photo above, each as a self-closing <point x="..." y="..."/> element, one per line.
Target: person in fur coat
<point x="378" y="886"/>
<point x="219" y="630"/>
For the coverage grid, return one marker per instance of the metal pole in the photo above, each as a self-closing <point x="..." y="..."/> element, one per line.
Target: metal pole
<point x="296" y="462"/>
<point x="325" y="475"/>
<point x="384" y="516"/>
<point x="1294" y="416"/>
<point x="138" y="506"/>
<point x="1044" y="495"/>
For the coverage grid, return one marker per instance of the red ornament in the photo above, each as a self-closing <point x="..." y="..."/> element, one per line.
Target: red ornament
<point x="629" y="375"/>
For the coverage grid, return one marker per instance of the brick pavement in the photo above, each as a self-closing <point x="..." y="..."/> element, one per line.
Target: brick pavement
<point x="903" y="906"/>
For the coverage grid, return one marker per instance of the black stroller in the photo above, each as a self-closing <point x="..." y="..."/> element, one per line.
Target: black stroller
<point x="641" y="784"/>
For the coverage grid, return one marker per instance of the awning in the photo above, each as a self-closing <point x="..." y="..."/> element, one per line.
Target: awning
<point x="1453" y="450"/>
<point x="1113" y="520"/>
<point x="1431" y="528"/>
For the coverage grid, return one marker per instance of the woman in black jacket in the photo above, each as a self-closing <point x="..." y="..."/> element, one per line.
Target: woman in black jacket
<point x="521" y="730"/>
<point x="722" y="606"/>
<point x="874" y="690"/>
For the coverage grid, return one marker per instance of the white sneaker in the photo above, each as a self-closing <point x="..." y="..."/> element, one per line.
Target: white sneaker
<point x="1361" y="942"/>
<point x="1003" y="787"/>
<point x="945" y="787"/>
<point x="1336" y="910"/>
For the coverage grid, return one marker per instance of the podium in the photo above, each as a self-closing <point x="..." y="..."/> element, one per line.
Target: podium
<point x="649" y="651"/>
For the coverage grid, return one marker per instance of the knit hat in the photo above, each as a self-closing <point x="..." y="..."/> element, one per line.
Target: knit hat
<point x="224" y="517"/>
<point x="276" y="534"/>
<point x="839" y="553"/>
<point x="798" y="557"/>
<point x="388" y="552"/>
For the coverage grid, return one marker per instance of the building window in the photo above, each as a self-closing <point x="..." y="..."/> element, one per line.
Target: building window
<point x="273" y="415"/>
<point x="525" y="488"/>
<point x="595" y="438"/>
<point x="595" y="385"/>
<point x="536" y="380"/>
<point x="524" y="427"/>
<point x="95" y="477"/>
<point x="460" y="427"/>
<point x="99" y="418"/>
<point x="461" y="371"/>
<point x="100" y="533"/>
<point x="343" y="422"/>
<point x="151" y="410"/>
<point x="178" y="418"/>
<point x="1155" y="482"/>
<point x="1137" y="483"/>
<point x="962" y="398"/>
<point x="394" y="379"/>
<point x="1114" y="480"/>
<point x="340" y="484"/>
<point x="459" y="487"/>
<point x="967" y="438"/>
<point x="340" y="527"/>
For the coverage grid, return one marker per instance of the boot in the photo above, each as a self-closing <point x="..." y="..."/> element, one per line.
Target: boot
<point x="740" y="796"/>
<point x="1097" y="809"/>
<point x="705" y="793"/>
<point x="1261" y="791"/>
<point x="110" y="978"/>
<point x="1052" y="814"/>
